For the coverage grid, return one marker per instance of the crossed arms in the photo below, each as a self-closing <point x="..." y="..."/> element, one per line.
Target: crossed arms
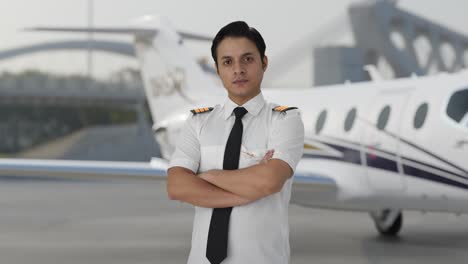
<point x="228" y="188"/>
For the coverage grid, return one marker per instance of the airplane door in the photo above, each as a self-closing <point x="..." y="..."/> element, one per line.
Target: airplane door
<point x="381" y="141"/>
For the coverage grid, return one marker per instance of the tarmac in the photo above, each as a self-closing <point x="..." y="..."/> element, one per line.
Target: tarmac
<point x="76" y="222"/>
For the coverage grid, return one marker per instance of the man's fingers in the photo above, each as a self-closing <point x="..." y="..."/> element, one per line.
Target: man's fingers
<point x="270" y="153"/>
<point x="268" y="156"/>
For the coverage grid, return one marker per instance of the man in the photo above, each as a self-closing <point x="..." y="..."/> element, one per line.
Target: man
<point x="234" y="161"/>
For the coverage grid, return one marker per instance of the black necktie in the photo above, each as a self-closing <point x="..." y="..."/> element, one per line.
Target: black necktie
<point x="216" y="248"/>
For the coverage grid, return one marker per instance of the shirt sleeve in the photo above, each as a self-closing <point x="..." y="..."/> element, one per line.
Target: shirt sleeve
<point x="287" y="137"/>
<point x="187" y="150"/>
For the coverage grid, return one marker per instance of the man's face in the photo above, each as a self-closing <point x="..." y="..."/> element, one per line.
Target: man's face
<point x="240" y="68"/>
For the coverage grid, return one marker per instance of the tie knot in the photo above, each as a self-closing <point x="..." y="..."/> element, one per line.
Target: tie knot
<point x="240" y="112"/>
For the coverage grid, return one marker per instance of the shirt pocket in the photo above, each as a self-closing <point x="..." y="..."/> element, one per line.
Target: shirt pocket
<point x="250" y="157"/>
<point x="211" y="158"/>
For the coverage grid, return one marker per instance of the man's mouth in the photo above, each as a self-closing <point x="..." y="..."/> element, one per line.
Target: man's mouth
<point x="240" y="81"/>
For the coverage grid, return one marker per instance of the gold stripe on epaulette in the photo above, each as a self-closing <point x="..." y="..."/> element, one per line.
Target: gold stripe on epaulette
<point x="283" y="108"/>
<point x="201" y="110"/>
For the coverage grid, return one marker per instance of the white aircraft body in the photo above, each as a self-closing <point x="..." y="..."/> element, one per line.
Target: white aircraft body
<point x="380" y="147"/>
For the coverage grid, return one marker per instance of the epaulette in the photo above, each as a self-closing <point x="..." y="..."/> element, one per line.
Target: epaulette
<point x="201" y="110"/>
<point x="283" y="108"/>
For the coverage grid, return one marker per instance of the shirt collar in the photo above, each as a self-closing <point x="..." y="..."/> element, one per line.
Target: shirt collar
<point x="253" y="106"/>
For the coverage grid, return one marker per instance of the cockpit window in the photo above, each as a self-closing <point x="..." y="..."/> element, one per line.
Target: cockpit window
<point x="457" y="108"/>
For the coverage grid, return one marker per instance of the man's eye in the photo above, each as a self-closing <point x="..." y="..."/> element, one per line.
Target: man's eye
<point x="248" y="59"/>
<point x="227" y="62"/>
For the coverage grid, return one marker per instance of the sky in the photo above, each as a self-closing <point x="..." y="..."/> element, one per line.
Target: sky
<point x="282" y="24"/>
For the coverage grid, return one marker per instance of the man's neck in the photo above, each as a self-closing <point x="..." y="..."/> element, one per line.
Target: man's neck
<point x="242" y="100"/>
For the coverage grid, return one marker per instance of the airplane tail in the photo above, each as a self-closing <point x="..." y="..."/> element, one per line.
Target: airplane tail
<point x="171" y="76"/>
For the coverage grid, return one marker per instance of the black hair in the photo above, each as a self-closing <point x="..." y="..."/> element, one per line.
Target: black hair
<point x="238" y="29"/>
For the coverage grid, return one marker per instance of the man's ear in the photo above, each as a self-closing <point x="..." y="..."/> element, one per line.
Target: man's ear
<point x="265" y="63"/>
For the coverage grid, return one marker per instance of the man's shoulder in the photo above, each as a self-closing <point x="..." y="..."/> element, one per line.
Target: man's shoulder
<point x="284" y="115"/>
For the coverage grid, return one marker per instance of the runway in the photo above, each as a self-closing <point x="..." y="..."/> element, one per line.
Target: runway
<point x="123" y="222"/>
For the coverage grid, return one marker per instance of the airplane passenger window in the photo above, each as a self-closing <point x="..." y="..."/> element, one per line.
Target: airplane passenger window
<point x="320" y="121"/>
<point x="383" y="118"/>
<point x="349" y="121"/>
<point x="457" y="108"/>
<point x="420" y="116"/>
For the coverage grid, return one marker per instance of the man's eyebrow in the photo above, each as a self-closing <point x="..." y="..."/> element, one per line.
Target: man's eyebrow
<point x="243" y="55"/>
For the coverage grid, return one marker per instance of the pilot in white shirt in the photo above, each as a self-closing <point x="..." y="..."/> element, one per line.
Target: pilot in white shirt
<point x="271" y="146"/>
<point x="258" y="231"/>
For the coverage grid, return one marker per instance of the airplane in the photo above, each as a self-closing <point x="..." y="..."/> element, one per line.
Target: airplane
<point x="380" y="147"/>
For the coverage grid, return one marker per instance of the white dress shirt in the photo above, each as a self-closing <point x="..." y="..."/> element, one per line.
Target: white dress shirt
<point x="258" y="231"/>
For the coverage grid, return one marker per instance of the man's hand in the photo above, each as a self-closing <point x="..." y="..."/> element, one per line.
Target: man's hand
<point x="267" y="156"/>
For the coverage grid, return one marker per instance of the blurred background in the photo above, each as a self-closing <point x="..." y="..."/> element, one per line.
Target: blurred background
<point x="80" y="96"/>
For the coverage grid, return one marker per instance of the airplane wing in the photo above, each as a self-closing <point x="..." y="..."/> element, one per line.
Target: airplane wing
<point x="79" y="169"/>
<point x="312" y="188"/>
<point x="310" y="181"/>
<point x="307" y="188"/>
<point x="154" y="170"/>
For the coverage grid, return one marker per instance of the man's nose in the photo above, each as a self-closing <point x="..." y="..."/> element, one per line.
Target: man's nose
<point x="239" y="68"/>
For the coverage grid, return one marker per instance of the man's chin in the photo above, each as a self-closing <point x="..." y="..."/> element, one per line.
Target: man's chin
<point x="243" y="90"/>
<point x="242" y="94"/>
